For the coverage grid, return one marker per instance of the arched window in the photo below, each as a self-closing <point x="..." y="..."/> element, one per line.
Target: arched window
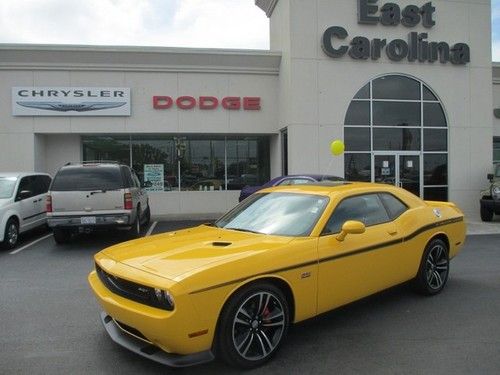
<point x="395" y="131"/>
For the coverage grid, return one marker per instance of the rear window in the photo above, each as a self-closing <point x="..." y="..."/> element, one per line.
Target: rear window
<point x="87" y="178"/>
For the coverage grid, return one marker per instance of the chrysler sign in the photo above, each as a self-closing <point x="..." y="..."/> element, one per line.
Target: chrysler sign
<point x="70" y="101"/>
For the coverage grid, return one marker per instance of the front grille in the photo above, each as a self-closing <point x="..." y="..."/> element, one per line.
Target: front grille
<point x="130" y="290"/>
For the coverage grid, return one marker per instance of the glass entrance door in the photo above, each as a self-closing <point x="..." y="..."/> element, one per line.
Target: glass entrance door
<point x="397" y="169"/>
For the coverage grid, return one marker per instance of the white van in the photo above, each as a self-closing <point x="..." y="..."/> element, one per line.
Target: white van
<point x="22" y="204"/>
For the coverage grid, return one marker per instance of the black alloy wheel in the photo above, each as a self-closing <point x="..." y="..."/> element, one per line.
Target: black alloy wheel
<point x="253" y="325"/>
<point x="434" y="268"/>
<point x="11" y="235"/>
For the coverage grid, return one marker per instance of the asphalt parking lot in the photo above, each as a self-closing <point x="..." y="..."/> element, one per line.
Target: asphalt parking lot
<point x="49" y="320"/>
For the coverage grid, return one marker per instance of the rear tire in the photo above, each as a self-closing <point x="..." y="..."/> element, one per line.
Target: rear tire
<point x="135" y="230"/>
<point x="434" y="269"/>
<point x="147" y="217"/>
<point x="61" y="235"/>
<point x="486" y="214"/>
<point x="11" y="235"/>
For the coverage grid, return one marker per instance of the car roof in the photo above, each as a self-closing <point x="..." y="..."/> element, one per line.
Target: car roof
<point x="332" y="188"/>
<point x="22" y="174"/>
<point x="96" y="164"/>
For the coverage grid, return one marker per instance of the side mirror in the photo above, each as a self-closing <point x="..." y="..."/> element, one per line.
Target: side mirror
<point x="147" y="184"/>
<point x="351" y="227"/>
<point x="490" y="177"/>
<point x="23" y="194"/>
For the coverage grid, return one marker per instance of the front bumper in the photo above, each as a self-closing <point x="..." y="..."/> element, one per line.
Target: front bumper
<point x="144" y="348"/>
<point x="156" y="329"/>
<point x="109" y="220"/>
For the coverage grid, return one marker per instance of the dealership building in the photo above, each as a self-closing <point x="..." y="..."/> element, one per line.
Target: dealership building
<point x="409" y="86"/>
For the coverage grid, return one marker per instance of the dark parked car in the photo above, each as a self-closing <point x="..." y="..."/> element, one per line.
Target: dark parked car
<point x="299" y="179"/>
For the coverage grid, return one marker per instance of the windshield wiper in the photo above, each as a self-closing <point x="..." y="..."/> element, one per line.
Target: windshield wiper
<point x="243" y="230"/>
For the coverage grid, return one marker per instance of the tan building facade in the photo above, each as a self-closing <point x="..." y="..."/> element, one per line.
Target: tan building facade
<point x="408" y="89"/>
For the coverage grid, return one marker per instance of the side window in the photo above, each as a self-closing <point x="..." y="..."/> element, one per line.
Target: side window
<point x="25" y="184"/>
<point x="394" y="206"/>
<point x="41" y="184"/>
<point x="127" y="174"/>
<point x="137" y="183"/>
<point x="365" y="208"/>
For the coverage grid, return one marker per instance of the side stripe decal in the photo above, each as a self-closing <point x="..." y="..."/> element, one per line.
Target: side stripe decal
<point x="328" y="259"/>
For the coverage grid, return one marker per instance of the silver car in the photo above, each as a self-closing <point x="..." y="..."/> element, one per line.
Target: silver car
<point x="22" y="204"/>
<point x="87" y="196"/>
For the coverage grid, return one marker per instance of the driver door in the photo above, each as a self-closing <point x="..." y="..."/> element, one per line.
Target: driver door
<point x="361" y="264"/>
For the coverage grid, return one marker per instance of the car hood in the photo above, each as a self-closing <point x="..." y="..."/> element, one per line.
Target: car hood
<point x="174" y="254"/>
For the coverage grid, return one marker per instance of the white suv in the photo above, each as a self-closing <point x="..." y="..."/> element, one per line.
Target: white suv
<point x="93" y="195"/>
<point x="22" y="204"/>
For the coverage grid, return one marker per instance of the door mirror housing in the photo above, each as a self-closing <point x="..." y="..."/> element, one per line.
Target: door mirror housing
<point x="351" y="227"/>
<point x="490" y="177"/>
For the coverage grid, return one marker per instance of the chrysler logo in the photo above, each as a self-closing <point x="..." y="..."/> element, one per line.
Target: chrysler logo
<point x="77" y="107"/>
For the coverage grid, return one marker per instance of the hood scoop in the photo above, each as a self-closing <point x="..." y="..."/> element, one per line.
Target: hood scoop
<point x="221" y="243"/>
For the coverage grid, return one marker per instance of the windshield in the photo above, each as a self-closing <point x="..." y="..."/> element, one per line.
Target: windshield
<point x="7" y="185"/>
<point x="87" y="178"/>
<point x="282" y="214"/>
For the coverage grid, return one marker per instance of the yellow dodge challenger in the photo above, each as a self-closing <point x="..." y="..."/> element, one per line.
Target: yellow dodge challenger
<point x="232" y="288"/>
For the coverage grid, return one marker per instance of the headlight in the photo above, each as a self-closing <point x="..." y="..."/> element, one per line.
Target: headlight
<point x="495" y="192"/>
<point x="163" y="299"/>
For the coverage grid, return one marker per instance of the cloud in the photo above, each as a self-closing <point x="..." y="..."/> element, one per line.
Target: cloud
<point x="186" y="23"/>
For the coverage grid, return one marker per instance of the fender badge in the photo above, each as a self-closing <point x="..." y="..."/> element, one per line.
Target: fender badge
<point x="305" y="275"/>
<point x="437" y="212"/>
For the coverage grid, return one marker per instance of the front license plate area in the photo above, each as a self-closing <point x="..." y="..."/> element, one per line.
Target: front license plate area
<point x="88" y="220"/>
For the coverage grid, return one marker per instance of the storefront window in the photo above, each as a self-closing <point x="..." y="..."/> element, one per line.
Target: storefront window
<point x="397" y="120"/>
<point x="496" y="150"/>
<point x="154" y="159"/>
<point x="205" y="163"/>
<point x="112" y="148"/>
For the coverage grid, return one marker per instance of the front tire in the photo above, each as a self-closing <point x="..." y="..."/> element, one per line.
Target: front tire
<point x="253" y="325"/>
<point x="11" y="235"/>
<point x="486" y="214"/>
<point x="434" y="269"/>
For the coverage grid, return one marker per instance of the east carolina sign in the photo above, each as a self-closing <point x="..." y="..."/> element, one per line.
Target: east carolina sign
<point x="415" y="48"/>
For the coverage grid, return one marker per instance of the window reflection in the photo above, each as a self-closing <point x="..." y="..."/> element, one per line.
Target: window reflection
<point x="202" y="159"/>
<point x="357" y="139"/>
<point x="396" y="139"/>
<point x="396" y="87"/>
<point x="435" y="169"/>
<point x="115" y="148"/>
<point x="396" y="113"/>
<point x="434" y="115"/>
<point x="358" y="113"/>
<point x="357" y="167"/>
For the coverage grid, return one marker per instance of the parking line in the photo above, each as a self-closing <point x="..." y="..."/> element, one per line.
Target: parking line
<point x="30" y="244"/>
<point x="150" y="230"/>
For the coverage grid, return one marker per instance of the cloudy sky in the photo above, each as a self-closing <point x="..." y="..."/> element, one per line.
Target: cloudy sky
<point x="173" y="23"/>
